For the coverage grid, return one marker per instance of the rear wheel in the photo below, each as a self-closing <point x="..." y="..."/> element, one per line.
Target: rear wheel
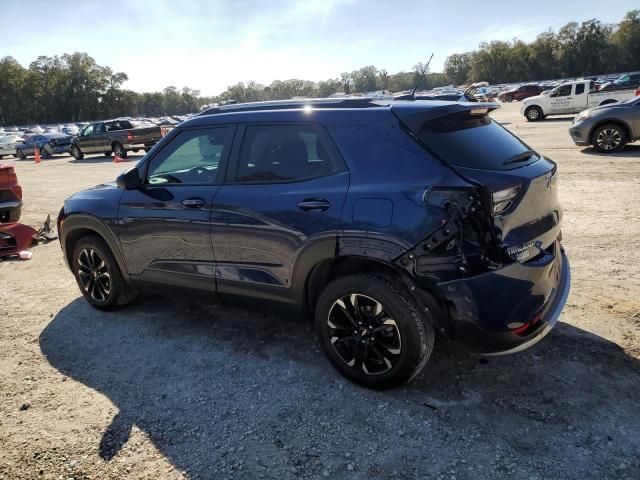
<point x="119" y="150"/>
<point x="533" y="114"/>
<point x="371" y="331"/>
<point x="98" y="275"/>
<point x="20" y="154"/>
<point x="508" y="98"/>
<point x="609" y="138"/>
<point x="77" y="153"/>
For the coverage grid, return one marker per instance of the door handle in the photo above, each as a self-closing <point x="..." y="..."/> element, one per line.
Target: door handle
<point x="194" y="203"/>
<point x="314" y="205"/>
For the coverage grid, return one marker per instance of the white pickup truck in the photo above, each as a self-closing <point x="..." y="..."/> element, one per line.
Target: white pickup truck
<point x="570" y="97"/>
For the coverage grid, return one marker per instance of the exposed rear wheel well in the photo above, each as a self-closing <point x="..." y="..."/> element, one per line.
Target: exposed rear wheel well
<point x="328" y="270"/>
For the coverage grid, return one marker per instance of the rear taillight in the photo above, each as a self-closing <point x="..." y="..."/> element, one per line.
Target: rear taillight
<point x="638" y="92"/>
<point x="130" y="136"/>
<point x="502" y="199"/>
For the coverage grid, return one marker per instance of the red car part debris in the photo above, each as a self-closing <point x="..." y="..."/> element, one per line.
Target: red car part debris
<point x="15" y="238"/>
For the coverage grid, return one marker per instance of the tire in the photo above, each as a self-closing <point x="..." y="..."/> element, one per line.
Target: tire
<point x="508" y="99"/>
<point x="20" y="154"/>
<point x="533" y="114"/>
<point x="108" y="154"/>
<point x="403" y="339"/>
<point x="77" y="153"/>
<point x="15" y="155"/>
<point x="43" y="153"/>
<point x="98" y="275"/>
<point x="607" y="102"/>
<point x="135" y="150"/>
<point x="609" y="138"/>
<point x="119" y="150"/>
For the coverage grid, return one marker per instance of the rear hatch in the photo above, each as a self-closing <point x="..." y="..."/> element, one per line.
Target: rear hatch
<point x="519" y="185"/>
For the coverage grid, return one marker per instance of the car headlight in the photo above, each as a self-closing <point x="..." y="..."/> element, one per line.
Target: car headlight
<point x="582" y="116"/>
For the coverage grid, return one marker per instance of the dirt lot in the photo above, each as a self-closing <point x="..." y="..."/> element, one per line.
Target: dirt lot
<point x="168" y="389"/>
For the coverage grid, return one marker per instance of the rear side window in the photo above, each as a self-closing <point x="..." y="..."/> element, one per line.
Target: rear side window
<point x="471" y="141"/>
<point x="579" y="88"/>
<point x="273" y="153"/>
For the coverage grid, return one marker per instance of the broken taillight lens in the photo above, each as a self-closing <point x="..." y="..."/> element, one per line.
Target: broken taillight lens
<point x="503" y="199"/>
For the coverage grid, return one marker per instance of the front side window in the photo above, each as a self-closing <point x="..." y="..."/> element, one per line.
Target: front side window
<point x="562" y="91"/>
<point x="272" y="153"/>
<point x="192" y="157"/>
<point x="88" y="131"/>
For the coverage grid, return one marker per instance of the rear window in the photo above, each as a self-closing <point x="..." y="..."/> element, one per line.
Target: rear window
<point x="471" y="141"/>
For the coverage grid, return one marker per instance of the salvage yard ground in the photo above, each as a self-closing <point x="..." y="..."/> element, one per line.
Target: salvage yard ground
<point x="172" y="389"/>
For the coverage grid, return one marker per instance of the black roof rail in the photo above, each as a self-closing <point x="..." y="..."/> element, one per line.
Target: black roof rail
<point x="355" y="102"/>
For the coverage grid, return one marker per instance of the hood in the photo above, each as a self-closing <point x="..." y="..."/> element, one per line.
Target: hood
<point x="533" y="99"/>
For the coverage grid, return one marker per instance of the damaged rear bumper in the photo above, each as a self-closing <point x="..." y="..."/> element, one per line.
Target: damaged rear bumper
<point x="510" y="309"/>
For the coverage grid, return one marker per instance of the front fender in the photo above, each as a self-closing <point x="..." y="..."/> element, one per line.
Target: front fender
<point x="75" y="225"/>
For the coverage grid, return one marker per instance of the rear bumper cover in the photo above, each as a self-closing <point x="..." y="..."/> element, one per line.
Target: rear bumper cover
<point x="512" y="308"/>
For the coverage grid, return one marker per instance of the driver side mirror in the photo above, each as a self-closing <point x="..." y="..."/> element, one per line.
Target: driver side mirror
<point x="129" y="180"/>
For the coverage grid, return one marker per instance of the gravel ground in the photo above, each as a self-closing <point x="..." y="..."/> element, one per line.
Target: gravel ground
<point x="178" y="389"/>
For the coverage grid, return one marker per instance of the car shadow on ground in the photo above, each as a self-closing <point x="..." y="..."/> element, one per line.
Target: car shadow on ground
<point x="628" y="151"/>
<point x="558" y="119"/>
<point x="217" y="389"/>
<point x="103" y="159"/>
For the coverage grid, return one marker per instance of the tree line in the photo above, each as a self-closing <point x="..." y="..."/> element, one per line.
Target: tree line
<point x="576" y="50"/>
<point x="73" y="87"/>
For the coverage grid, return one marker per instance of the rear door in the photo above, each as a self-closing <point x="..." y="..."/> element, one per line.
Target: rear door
<point x="285" y="190"/>
<point x="164" y="226"/>
<point x="580" y="97"/>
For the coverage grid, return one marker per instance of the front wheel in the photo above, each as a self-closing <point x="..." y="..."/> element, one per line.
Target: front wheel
<point x="21" y="155"/>
<point x="119" y="150"/>
<point x="533" y="114"/>
<point x="372" y="332"/>
<point x="98" y="275"/>
<point x="77" y="153"/>
<point x="609" y="138"/>
<point x="44" y="154"/>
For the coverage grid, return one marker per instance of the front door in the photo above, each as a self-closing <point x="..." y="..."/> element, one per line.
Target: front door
<point x="164" y="226"/>
<point x="560" y="100"/>
<point x="285" y="191"/>
<point x="87" y="140"/>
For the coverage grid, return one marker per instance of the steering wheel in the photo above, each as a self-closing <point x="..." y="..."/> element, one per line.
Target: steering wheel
<point x="195" y="172"/>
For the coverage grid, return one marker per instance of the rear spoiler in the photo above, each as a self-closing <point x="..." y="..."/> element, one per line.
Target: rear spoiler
<point x="413" y="115"/>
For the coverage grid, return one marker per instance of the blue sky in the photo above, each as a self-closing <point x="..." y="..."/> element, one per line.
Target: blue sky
<point x="209" y="45"/>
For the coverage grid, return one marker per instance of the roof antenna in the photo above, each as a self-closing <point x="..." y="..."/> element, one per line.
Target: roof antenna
<point x="422" y="74"/>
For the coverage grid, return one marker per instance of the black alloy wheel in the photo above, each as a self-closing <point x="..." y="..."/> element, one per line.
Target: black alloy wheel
<point x="94" y="275"/>
<point x="363" y="334"/>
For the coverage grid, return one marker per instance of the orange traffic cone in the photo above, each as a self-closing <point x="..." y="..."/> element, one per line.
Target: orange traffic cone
<point x="117" y="158"/>
<point x="37" y="155"/>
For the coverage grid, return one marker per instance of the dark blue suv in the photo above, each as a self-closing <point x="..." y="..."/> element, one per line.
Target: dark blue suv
<point x="386" y="222"/>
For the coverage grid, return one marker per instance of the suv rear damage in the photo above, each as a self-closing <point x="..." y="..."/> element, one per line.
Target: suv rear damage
<point x="496" y="258"/>
<point x="383" y="221"/>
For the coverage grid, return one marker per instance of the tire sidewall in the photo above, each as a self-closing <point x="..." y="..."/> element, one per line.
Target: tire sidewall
<point x="76" y="153"/>
<point x="117" y="281"/>
<point x="533" y="109"/>
<point x="596" y="132"/>
<point x="413" y="348"/>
